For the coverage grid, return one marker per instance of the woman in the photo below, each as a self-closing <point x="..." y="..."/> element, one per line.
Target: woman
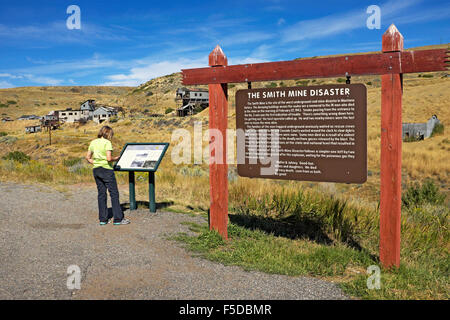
<point x="100" y="155"/>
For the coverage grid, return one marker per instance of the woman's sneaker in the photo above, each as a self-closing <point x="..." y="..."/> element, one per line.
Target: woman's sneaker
<point x="102" y="223"/>
<point x="124" y="221"/>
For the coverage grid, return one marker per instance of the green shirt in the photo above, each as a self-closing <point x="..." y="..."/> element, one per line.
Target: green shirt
<point x="99" y="147"/>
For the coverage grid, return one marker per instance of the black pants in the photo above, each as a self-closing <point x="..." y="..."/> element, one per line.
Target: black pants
<point x="105" y="179"/>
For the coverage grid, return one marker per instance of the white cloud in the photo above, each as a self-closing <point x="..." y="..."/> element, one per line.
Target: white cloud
<point x="5" y="85"/>
<point x="324" y="26"/>
<point x="57" y="32"/>
<point x="263" y="52"/>
<point x="247" y="60"/>
<point x="434" y="14"/>
<point x="141" y="74"/>
<point x="56" y="67"/>
<point x="243" y="38"/>
<point x="43" y="80"/>
<point x="338" y="23"/>
<point x="11" y="76"/>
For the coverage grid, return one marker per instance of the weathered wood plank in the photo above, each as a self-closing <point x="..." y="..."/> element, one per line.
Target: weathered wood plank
<point x="391" y="157"/>
<point x="364" y="64"/>
<point x="218" y="167"/>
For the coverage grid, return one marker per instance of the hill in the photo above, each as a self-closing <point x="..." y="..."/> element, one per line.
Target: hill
<point x="274" y="225"/>
<point x="424" y="95"/>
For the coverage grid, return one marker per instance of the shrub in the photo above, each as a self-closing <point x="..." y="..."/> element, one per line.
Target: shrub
<point x="198" y="108"/>
<point x="418" y="194"/>
<point x="11" y="102"/>
<point x="8" y="139"/>
<point x="79" y="168"/>
<point x="3" y="133"/>
<point x="369" y="83"/>
<point x="271" y="85"/>
<point x="113" y="119"/>
<point x="18" y="156"/>
<point x="302" y="82"/>
<point x="438" y="129"/>
<point x="168" y="110"/>
<point x="300" y="214"/>
<point x="340" y="80"/>
<point x="193" y="172"/>
<point x="71" y="162"/>
<point x="413" y="139"/>
<point x="427" y="76"/>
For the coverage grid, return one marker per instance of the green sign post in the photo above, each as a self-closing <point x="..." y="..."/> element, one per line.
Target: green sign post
<point x="141" y="157"/>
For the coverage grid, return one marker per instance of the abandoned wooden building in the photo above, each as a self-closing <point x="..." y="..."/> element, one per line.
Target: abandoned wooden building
<point x="192" y="101"/>
<point x="103" y="114"/>
<point x="33" y="129"/>
<point x="85" y="113"/>
<point x="87" y="109"/>
<point x="29" y="117"/>
<point x="419" y="131"/>
<point x="69" y="115"/>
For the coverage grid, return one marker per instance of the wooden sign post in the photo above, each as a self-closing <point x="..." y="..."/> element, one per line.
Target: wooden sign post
<point x="391" y="154"/>
<point x="391" y="64"/>
<point x="218" y="167"/>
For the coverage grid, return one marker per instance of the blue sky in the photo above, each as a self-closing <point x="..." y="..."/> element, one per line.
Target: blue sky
<point x="131" y="42"/>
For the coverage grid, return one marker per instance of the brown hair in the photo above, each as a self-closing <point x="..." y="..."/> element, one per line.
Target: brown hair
<point x="105" y="132"/>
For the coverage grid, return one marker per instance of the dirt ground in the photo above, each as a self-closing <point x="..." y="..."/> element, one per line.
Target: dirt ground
<point x="44" y="231"/>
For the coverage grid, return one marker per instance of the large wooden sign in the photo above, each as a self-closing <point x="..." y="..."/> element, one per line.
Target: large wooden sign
<point x="315" y="133"/>
<point x="391" y="63"/>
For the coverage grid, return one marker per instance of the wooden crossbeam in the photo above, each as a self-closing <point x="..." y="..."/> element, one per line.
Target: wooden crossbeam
<point x="353" y="65"/>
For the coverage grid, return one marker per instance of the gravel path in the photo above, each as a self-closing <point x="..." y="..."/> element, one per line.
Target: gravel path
<point x="44" y="231"/>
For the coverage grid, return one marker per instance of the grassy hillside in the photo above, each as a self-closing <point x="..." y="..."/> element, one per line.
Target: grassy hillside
<point x="41" y="100"/>
<point x="424" y="95"/>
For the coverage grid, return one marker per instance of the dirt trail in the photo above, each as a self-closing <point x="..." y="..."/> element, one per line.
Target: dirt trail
<point x="43" y="231"/>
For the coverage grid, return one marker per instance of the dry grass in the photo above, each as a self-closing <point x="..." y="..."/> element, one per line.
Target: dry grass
<point x="187" y="185"/>
<point x="423" y="97"/>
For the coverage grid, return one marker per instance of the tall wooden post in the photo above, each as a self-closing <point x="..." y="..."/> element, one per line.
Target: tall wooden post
<point x="218" y="168"/>
<point x="391" y="154"/>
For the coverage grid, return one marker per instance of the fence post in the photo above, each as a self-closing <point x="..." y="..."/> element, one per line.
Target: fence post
<point x="391" y="155"/>
<point x="218" y="167"/>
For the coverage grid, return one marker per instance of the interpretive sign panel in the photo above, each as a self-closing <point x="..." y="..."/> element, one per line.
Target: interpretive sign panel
<point x="313" y="133"/>
<point x="141" y="156"/>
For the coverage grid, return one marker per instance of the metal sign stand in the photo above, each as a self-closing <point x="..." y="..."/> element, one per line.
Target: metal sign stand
<point x="151" y="175"/>
<point x="151" y="191"/>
